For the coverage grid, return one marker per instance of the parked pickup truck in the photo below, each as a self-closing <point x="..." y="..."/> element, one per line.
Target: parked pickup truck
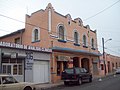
<point x="75" y="75"/>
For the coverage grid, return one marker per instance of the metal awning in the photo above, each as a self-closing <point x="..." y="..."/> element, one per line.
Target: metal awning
<point x="75" y="51"/>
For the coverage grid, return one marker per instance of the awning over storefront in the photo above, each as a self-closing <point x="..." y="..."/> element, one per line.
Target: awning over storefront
<point x="75" y="51"/>
<point x="6" y="54"/>
<point x="21" y="56"/>
<point x="14" y="55"/>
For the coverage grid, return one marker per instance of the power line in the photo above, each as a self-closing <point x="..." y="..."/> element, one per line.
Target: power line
<point x="37" y="26"/>
<point x="101" y="11"/>
<point x="114" y="51"/>
<point x="44" y="29"/>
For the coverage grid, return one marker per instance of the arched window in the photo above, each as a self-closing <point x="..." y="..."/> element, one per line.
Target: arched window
<point x="84" y="40"/>
<point x="61" y="32"/>
<point x="36" y="35"/>
<point x="76" y="37"/>
<point x="92" y="43"/>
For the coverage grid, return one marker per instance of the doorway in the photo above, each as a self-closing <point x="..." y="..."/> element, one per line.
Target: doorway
<point x="76" y="62"/>
<point x="85" y="63"/>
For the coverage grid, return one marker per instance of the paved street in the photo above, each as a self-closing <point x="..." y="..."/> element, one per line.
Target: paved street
<point x="108" y="83"/>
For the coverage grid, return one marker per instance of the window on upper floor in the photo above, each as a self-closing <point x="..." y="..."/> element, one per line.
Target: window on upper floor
<point x="92" y="44"/>
<point x="76" y="38"/>
<point x="17" y="40"/>
<point x="36" y="35"/>
<point x="84" y="41"/>
<point x="61" y="33"/>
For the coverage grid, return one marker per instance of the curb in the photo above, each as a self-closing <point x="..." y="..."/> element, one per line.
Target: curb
<point x="48" y="86"/>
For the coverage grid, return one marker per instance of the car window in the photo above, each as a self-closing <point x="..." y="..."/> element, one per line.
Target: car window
<point x="69" y="71"/>
<point x="83" y="70"/>
<point x="8" y="80"/>
<point x="77" y="70"/>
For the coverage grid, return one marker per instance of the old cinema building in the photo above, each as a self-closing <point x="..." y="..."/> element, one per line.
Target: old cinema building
<point x="25" y="63"/>
<point x="72" y="43"/>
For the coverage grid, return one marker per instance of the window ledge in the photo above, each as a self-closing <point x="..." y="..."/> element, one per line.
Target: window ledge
<point x="76" y="44"/>
<point x="59" y="40"/>
<point x="85" y="46"/>
<point x="35" y="41"/>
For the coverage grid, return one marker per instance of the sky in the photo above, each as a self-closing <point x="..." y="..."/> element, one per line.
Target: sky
<point x="100" y="15"/>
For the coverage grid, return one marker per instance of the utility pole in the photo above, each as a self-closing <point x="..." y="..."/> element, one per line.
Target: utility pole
<point x="104" y="55"/>
<point x="103" y="42"/>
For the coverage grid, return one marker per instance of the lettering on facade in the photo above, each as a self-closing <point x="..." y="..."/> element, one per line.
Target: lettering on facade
<point x="27" y="47"/>
<point x="64" y="58"/>
<point x="29" y="61"/>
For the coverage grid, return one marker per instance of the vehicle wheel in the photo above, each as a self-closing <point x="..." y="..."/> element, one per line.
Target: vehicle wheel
<point x="90" y="79"/>
<point x="28" y="88"/>
<point x="66" y="83"/>
<point x="79" y="81"/>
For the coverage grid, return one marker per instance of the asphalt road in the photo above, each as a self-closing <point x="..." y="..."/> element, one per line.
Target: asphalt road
<point x="108" y="83"/>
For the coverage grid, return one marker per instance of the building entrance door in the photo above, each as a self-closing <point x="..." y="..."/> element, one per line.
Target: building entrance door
<point x="85" y="63"/>
<point x="76" y="62"/>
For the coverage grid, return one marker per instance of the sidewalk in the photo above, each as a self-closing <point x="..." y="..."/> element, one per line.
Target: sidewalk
<point x="48" y="85"/>
<point x="51" y="85"/>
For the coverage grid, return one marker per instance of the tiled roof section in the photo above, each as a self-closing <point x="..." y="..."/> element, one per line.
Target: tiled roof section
<point x="13" y="33"/>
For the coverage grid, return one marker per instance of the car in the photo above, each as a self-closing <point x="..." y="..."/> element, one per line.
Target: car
<point x="117" y="71"/>
<point x="8" y="82"/>
<point x="76" y="75"/>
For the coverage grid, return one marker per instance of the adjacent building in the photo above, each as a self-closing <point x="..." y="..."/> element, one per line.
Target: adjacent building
<point x="109" y="64"/>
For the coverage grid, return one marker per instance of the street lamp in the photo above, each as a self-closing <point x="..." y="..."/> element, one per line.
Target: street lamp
<point x="104" y="52"/>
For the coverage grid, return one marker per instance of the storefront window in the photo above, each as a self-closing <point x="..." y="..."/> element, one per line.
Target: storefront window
<point x="4" y="69"/>
<point x="20" y="70"/>
<point x="13" y="61"/>
<point x="9" y="69"/>
<point x="5" y="60"/>
<point x="19" y="61"/>
<point x="14" y="69"/>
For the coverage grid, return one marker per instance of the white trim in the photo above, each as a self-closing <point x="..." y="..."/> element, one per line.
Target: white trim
<point x="70" y="40"/>
<point x="65" y="32"/>
<point x="33" y="35"/>
<point x="53" y="36"/>
<point x="49" y="20"/>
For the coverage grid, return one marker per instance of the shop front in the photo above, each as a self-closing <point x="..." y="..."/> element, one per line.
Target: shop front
<point x="25" y="63"/>
<point x="62" y="58"/>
